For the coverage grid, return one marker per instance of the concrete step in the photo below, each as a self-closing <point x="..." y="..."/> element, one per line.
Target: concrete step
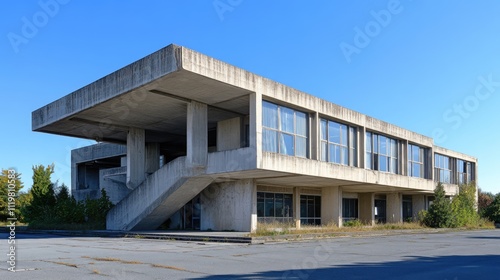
<point x="158" y="197"/>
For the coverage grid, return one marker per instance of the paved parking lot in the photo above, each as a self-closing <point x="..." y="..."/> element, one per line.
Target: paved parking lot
<point x="457" y="255"/>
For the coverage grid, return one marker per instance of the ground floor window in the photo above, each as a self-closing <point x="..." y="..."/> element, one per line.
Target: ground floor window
<point x="349" y="209"/>
<point x="274" y="207"/>
<point x="407" y="208"/>
<point x="310" y="210"/>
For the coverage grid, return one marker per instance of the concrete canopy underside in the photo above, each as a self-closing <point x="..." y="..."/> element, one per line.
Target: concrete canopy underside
<point x="151" y="94"/>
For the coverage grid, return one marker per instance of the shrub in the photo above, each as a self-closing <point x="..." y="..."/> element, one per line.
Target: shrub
<point x="353" y="223"/>
<point x="440" y="213"/>
<point x="492" y="212"/>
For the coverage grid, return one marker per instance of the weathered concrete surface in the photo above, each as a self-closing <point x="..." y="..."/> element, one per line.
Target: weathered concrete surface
<point x="113" y="180"/>
<point x="158" y="197"/>
<point x="394" y="208"/>
<point x="233" y="206"/>
<point x="331" y="205"/>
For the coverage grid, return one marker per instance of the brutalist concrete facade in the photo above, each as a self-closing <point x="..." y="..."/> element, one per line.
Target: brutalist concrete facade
<point x="192" y="142"/>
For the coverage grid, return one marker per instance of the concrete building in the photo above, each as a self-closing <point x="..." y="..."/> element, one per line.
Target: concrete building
<point x="190" y="142"/>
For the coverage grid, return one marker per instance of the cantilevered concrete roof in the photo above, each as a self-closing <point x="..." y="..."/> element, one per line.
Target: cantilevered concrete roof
<point x="151" y="93"/>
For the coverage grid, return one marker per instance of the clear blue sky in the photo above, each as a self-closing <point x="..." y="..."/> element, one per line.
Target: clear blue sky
<point x="427" y="66"/>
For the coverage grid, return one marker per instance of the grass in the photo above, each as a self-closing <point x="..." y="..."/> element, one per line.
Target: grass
<point x="277" y="229"/>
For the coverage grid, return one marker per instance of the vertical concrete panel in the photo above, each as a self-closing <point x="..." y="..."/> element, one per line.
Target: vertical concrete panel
<point x="152" y="157"/>
<point x="394" y="208"/>
<point x="228" y="134"/>
<point x="404" y="158"/>
<point x="135" y="157"/>
<point x="361" y="147"/>
<point x="296" y="207"/>
<point x="367" y="208"/>
<point x="418" y="204"/>
<point x="230" y="206"/>
<point x="256" y="126"/>
<point x="197" y="134"/>
<point x="331" y="205"/>
<point x="314" y="139"/>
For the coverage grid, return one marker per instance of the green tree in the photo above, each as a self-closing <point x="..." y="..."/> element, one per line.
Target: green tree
<point x="97" y="209"/>
<point x="42" y="205"/>
<point x="484" y="199"/>
<point x="492" y="212"/>
<point x="67" y="209"/>
<point x="10" y="177"/>
<point x="464" y="206"/>
<point x="440" y="214"/>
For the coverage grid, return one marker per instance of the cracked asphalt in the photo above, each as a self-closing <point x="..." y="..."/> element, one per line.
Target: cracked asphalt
<point x="450" y="255"/>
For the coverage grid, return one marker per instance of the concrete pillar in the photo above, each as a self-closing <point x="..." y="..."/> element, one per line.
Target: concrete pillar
<point x="331" y="205"/>
<point x="230" y="206"/>
<point x="152" y="157"/>
<point x="418" y="204"/>
<point x="135" y="157"/>
<point x="296" y="206"/>
<point x="430" y="169"/>
<point x="255" y="124"/>
<point x="315" y="136"/>
<point x="394" y="208"/>
<point x="367" y="208"/>
<point x="197" y="134"/>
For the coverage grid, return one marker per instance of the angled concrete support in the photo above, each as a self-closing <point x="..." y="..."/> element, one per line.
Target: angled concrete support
<point x="331" y="206"/>
<point x="367" y="208"/>
<point x="197" y="134"/>
<point x="136" y="147"/>
<point x="394" y="208"/>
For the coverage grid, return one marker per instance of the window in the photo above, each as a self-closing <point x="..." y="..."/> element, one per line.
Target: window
<point x="442" y="169"/>
<point x="338" y="143"/>
<point x="416" y="161"/>
<point x="284" y="130"/>
<point x="464" y="170"/>
<point x="381" y="153"/>
<point x="310" y="210"/>
<point x="274" y="207"/>
<point x="349" y="209"/>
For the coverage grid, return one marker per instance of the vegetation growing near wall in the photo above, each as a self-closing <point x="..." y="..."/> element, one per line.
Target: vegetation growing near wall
<point x="492" y="212"/>
<point x="45" y="206"/>
<point x="457" y="212"/>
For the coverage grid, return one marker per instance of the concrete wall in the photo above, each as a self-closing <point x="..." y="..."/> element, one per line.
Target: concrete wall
<point x="230" y="206"/>
<point x="418" y="204"/>
<point x="228" y="134"/>
<point x="113" y="180"/>
<point x="331" y="205"/>
<point x="394" y="208"/>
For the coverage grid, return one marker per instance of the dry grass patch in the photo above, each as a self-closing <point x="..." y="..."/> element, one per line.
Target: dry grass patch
<point x="168" y="267"/>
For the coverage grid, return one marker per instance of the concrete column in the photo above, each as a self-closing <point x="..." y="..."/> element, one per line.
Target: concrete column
<point x="255" y="124"/>
<point x="367" y="208"/>
<point x="197" y="134"/>
<point x="315" y="136"/>
<point x="296" y="206"/>
<point x="152" y="157"/>
<point x="418" y="204"/>
<point x="331" y="205"/>
<point x="430" y="169"/>
<point x="394" y="208"/>
<point x="230" y="206"/>
<point x="135" y="157"/>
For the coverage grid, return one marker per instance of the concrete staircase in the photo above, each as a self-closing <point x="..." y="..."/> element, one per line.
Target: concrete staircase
<point x="158" y="197"/>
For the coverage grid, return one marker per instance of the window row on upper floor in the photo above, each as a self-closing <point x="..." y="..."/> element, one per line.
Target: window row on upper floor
<point x="286" y="131"/>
